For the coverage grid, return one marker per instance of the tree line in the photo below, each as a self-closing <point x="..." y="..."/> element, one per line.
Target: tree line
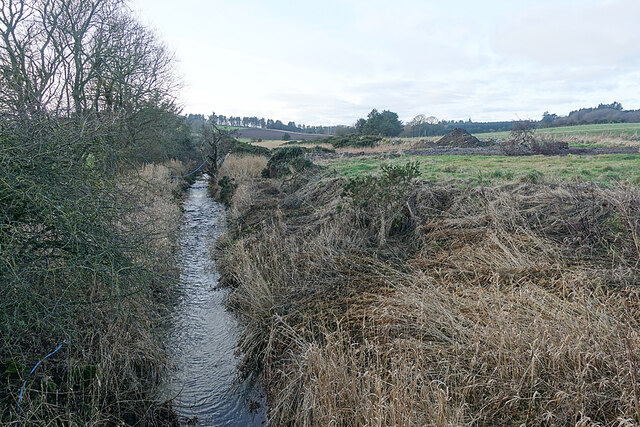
<point x="603" y="113"/>
<point x="387" y="123"/>
<point x="256" y="122"/>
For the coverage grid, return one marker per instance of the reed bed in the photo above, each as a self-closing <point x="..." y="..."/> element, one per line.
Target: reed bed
<point x="245" y="171"/>
<point x="507" y="305"/>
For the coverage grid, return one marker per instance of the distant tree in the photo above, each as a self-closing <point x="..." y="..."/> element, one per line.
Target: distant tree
<point x="416" y="127"/>
<point x="548" y="118"/>
<point x="523" y="135"/>
<point x="385" y="123"/>
<point x="613" y="106"/>
<point x="359" y="125"/>
<point x="286" y="137"/>
<point x="344" y="130"/>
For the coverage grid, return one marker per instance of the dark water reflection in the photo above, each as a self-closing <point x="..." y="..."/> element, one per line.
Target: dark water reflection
<point x="204" y="334"/>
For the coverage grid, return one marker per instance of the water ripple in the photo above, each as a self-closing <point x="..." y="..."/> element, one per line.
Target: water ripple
<point x="204" y="334"/>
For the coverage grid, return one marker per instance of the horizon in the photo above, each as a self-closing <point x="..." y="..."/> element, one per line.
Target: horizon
<point x="333" y="63"/>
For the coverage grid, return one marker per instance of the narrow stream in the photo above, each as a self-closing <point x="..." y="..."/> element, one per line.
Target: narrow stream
<point x="204" y="334"/>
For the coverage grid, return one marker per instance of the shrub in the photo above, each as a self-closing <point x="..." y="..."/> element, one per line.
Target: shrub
<point x="227" y="189"/>
<point x="286" y="160"/>
<point x="286" y="137"/>
<point x="354" y="140"/>
<point x="378" y="200"/>
<point x="233" y="146"/>
<point x="523" y="142"/>
<point x="80" y="247"/>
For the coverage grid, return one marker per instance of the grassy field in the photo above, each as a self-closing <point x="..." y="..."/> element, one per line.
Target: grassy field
<point x="605" y="169"/>
<point x="610" y="129"/>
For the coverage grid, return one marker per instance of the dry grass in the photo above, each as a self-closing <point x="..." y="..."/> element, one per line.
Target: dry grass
<point x="270" y="144"/>
<point x="155" y="208"/>
<point x="277" y="144"/>
<point x="246" y="171"/>
<point x="387" y="145"/>
<point x="242" y="167"/>
<point x="513" y="305"/>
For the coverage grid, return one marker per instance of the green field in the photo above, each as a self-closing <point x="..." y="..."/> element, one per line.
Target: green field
<point x="611" y="129"/>
<point x="604" y="169"/>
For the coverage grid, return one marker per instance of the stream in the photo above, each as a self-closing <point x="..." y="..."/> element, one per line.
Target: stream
<point x="204" y="384"/>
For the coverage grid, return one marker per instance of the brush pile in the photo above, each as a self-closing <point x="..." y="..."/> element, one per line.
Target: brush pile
<point x="502" y="305"/>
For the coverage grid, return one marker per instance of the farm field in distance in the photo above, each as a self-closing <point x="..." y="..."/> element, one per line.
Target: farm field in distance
<point x="609" y="129"/>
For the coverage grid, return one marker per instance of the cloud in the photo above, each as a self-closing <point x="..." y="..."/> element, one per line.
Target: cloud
<point x="334" y="61"/>
<point x="574" y="34"/>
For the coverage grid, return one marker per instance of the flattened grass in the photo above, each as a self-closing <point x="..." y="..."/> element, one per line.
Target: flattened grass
<point x="503" y="305"/>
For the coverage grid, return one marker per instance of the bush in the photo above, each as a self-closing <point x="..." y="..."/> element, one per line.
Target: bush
<point x="227" y="189"/>
<point x="286" y="137"/>
<point x="286" y="160"/>
<point x="319" y="149"/>
<point x="378" y="201"/>
<point x="233" y="146"/>
<point x="77" y="263"/>
<point x="354" y="140"/>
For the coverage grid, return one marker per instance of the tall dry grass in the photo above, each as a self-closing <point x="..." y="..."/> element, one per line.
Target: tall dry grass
<point x="387" y="145"/>
<point x="513" y="305"/>
<point x="245" y="170"/>
<point x="153" y="200"/>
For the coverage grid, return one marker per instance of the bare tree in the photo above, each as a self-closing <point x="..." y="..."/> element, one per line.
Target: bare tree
<point x="80" y="57"/>
<point x="418" y="125"/>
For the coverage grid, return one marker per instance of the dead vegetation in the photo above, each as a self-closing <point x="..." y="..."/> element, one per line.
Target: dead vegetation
<point x="243" y="172"/>
<point x="512" y="305"/>
<point x="606" y="140"/>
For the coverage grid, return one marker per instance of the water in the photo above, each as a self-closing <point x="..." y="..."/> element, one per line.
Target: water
<point x="202" y="340"/>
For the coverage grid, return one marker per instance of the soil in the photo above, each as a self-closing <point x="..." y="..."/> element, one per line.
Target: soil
<point x="459" y="138"/>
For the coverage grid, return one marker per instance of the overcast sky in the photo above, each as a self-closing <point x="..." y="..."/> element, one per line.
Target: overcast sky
<point x="332" y="61"/>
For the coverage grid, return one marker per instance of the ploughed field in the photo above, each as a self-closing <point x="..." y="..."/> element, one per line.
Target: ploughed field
<point x="273" y="134"/>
